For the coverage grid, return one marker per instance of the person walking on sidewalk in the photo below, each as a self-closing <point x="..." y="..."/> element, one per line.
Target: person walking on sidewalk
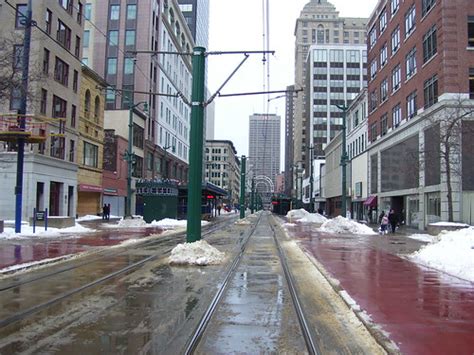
<point x="384" y="224"/>
<point x="104" y="211"/>
<point x="393" y="219"/>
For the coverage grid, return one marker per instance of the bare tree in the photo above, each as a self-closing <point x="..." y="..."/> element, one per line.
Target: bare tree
<point x="443" y="145"/>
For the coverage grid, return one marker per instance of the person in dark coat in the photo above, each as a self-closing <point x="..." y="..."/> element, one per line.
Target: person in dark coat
<point x="381" y="216"/>
<point x="393" y="220"/>
<point x="104" y="211"/>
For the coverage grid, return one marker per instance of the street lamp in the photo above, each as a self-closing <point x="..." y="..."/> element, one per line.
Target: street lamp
<point x="129" y="154"/>
<point x="344" y="159"/>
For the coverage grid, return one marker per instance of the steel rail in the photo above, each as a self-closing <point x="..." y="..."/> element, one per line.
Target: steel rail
<point x="200" y="329"/>
<point x="310" y="343"/>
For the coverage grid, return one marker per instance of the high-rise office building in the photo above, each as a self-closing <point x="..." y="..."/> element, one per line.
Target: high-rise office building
<point x="319" y="24"/>
<point x="196" y="13"/>
<point x="264" y="147"/>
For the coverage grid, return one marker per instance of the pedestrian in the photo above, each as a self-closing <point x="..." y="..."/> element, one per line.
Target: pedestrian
<point x="384" y="224"/>
<point x="104" y="211"/>
<point x="393" y="219"/>
<point x="219" y="209"/>
<point x="108" y="211"/>
<point x="381" y="216"/>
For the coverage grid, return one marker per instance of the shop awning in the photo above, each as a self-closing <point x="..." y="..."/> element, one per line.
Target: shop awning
<point x="371" y="201"/>
<point x="89" y="188"/>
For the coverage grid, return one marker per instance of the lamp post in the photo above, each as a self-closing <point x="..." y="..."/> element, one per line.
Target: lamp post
<point x="252" y="198"/>
<point x="129" y="155"/>
<point x="344" y="159"/>
<point x="242" y="186"/>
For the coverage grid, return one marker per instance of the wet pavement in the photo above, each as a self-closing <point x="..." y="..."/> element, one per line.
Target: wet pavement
<point x="423" y="310"/>
<point x="31" y="249"/>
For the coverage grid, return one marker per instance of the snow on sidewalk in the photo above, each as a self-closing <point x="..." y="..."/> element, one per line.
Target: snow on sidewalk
<point x="342" y="225"/>
<point x="304" y="216"/>
<point x="197" y="253"/>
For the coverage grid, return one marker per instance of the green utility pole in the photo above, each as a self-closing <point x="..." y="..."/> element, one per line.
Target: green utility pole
<point x="129" y="155"/>
<point x="242" y="187"/>
<point x="344" y="159"/>
<point x="311" y="180"/>
<point x="252" y="198"/>
<point x="196" y="143"/>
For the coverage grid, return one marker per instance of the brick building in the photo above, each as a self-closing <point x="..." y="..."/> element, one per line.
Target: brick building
<point x="421" y="65"/>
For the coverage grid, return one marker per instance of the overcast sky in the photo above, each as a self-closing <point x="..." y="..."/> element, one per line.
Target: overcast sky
<point x="238" y="26"/>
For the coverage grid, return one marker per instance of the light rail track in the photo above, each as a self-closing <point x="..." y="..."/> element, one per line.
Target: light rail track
<point x="210" y="313"/>
<point x="101" y="257"/>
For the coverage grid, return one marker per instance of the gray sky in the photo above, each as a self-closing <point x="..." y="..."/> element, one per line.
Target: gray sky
<point x="238" y="26"/>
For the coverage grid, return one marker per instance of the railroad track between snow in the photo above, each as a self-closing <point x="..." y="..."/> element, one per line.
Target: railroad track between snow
<point x="197" y="338"/>
<point x="163" y="244"/>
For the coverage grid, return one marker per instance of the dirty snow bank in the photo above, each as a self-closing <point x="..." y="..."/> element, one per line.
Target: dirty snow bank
<point x="197" y="253"/>
<point x="173" y="223"/>
<point x="131" y="222"/>
<point x="343" y="225"/>
<point x="453" y="253"/>
<point x="27" y="231"/>
<point x="304" y="216"/>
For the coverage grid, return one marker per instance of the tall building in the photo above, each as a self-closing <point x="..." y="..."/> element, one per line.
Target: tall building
<point x="319" y="24"/>
<point x="223" y="168"/>
<point x="196" y="13"/>
<point x="335" y="75"/>
<point x="421" y="91"/>
<point x="264" y="148"/>
<point x="289" y="132"/>
<point x="50" y="163"/>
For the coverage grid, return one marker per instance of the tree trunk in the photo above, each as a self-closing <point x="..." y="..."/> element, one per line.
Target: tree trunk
<point x="448" y="182"/>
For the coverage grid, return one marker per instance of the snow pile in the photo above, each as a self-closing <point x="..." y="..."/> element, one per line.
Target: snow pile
<point x="131" y="222"/>
<point x="342" y="225"/>
<point x="173" y="223"/>
<point x="88" y="217"/>
<point x="304" y="216"/>
<point x="423" y="237"/>
<point x="197" y="253"/>
<point x="449" y="224"/>
<point x="453" y="254"/>
<point x="27" y="231"/>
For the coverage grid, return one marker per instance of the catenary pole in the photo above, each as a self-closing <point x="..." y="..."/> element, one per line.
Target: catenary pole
<point x="21" y="118"/>
<point x="196" y="146"/>
<point x="242" y="187"/>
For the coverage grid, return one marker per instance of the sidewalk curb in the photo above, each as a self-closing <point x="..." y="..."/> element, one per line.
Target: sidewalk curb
<point x="380" y="336"/>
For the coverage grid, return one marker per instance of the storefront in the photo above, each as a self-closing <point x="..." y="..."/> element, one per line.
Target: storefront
<point x="89" y="199"/>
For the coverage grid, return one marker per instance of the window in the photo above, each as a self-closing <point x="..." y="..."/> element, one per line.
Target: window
<point x="63" y="35"/>
<point x="61" y="72"/>
<point x="383" y="21"/>
<point x="128" y="66"/>
<point x="373" y="69"/>
<point x="410" y="21"/>
<point x="111" y="66"/>
<point x="373" y="132"/>
<point x="131" y="12"/>
<point x="57" y="147"/>
<point x="384" y="125"/>
<point x="91" y="155"/>
<point x="149" y="161"/>
<point x="77" y="49"/>
<point x="372" y="37"/>
<point x="97" y="109"/>
<point x="427" y="5"/>
<point x="15" y="98"/>
<point x="72" y="149"/>
<point x="17" y="56"/>
<point x="79" y="12"/>
<point x="87" y="104"/>
<point x="86" y="38"/>
<point x="410" y="61"/>
<point x="46" y="61"/>
<point x="383" y="55"/>
<point x="113" y="38"/>
<point x="73" y="116"/>
<point x="396" y="77"/>
<point x="44" y="101"/>
<point x="49" y="21"/>
<point x="430" y="89"/>
<point x="411" y="105"/>
<point x="137" y="167"/>
<point x="59" y="107"/>
<point x="130" y="37"/>
<point x="373" y="101"/>
<point x="88" y="11"/>
<point x="75" y="81"/>
<point x="20" y="15"/>
<point x="138" y="134"/>
<point x="395" y="39"/>
<point x="67" y="5"/>
<point x="384" y="90"/>
<point x="396" y="116"/>
<point x="429" y="44"/>
<point x="470" y="31"/>
<point x="110" y="98"/>
<point x="114" y="12"/>
<point x="395" y="4"/>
